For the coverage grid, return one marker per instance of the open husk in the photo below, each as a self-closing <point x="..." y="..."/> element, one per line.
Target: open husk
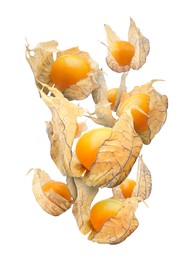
<point x="50" y="201"/>
<point x="157" y="115"/>
<point x="116" y="156"/>
<point x="81" y="207"/>
<point x="118" y="228"/>
<point x="62" y="128"/>
<point x="142" y="189"/>
<point x="136" y="38"/>
<point x="41" y="59"/>
<point x="102" y="114"/>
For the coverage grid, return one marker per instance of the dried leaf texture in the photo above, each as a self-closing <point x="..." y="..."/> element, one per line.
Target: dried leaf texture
<point x="81" y="127"/>
<point x="81" y="207"/>
<point x="40" y="60"/>
<point x="77" y="169"/>
<point x="111" y="35"/>
<point x="72" y="187"/>
<point x="116" y="156"/>
<point x="144" y="184"/>
<point x="136" y="38"/>
<point x="142" y="46"/>
<point x="103" y="114"/>
<point x="51" y="202"/>
<point x="117" y="192"/>
<point x="118" y="228"/>
<point x="158" y="105"/>
<point x="84" y="87"/>
<point x="122" y="90"/>
<point x="62" y="128"/>
<point x="111" y="62"/>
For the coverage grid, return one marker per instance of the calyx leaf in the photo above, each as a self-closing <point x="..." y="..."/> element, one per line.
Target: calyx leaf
<point x="62" y="128"/>
<point x="142" y="46"/>
<point x="103" y="114"/>
<point x="116" y="156"/>
<point x="118" y="228"/>
<point x="41" y="59"/>
<point x="136" y="38"/>
<point x="50" y="201"/>
<point x="157" y="115"/>
<point x="142" y="189"/>
<point x="143" y="184"/>
<point x="81" y="207"/>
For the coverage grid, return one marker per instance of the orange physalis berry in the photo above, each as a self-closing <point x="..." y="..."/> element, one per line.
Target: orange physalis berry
<point x="127" y="187"/>
<point x="140" y="120"/>
<point x="59" y="188"/>
<point x="102" y="211"/>
<point x="68" y="69"/>
<point x="122" y="52"/>
<point x="89" y="143"/>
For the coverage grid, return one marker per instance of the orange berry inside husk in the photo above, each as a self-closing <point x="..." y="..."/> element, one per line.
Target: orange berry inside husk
<point x="112" y="96"/>
<point x="103" y="211"/>
<point x="59" y="188"/>
<point x="89" y="143"/>
<point x="122" y="52"/>
<point x="140" y="120"/>
<point x="127" y="187"/>
<point x="68" y="69"/>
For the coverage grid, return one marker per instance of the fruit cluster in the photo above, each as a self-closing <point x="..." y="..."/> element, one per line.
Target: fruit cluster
<point x="103" y="156"/>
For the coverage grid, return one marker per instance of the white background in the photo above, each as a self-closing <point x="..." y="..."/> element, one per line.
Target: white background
<point x="26" y="231"/>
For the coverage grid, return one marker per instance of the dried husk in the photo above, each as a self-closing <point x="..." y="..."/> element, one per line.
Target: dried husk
<point x="50" y="201"/>
<point x="158" y="105"/>
<point x="103" y="114"/>
<point x="81" y="207"/>
<point x="84" y="87"/>
<point x="136" y="38"/>
<point x="72" y="187"/>
<point x="121" y="91"/>
<point x="142" y="46"/>
<point x="116" y="156"/>
<point x="118" y="228"/>
<point x="41" y="59"/>
<point x="111" y="62"/>
<point x="117" y="192"/>
<point x="77" y="169"/>
<point x="62" y="128"/>
<point x="81" y="127"/>
<point x="143" y="185"/>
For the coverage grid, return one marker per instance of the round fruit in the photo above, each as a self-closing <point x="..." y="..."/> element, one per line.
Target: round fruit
<point x="127" y="187"/>
<point x="68" y="69"/>
<point x="122" y="52"/>
<point x="89" y="143"/>
<point x="140" y="120"/>
<point x="102" y="211"/>
<point x="59" y="188"/>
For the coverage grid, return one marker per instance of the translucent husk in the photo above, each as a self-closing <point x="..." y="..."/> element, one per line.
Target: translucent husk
<point x="116" y="156"/>
<point x="81" y="207"/>
<point x="62" y="129"/>
<point x="41" y="59"/>
<point x="136" y="38"/>
<point x="50" y="201"/>
<point x="142" y="189"/>
<point x="157" y="115"/>
<point x="118" y="228"/>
